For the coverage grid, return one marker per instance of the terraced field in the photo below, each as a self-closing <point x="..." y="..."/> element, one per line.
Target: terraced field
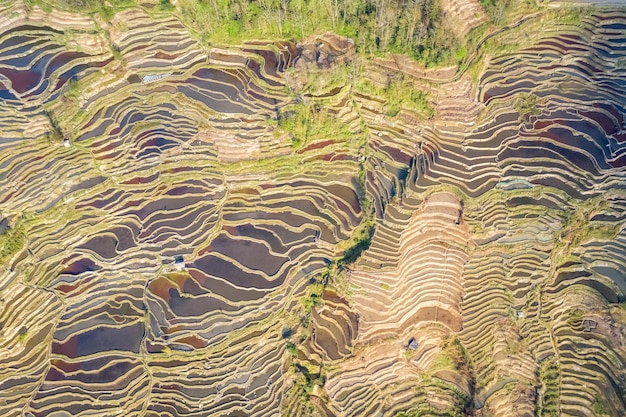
<point x="174" y="244"/>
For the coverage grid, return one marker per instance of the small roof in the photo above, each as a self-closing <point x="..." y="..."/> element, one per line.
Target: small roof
<point x="179" y="262"/>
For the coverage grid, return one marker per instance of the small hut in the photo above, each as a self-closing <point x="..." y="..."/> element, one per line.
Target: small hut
<point x="179" y="263"/>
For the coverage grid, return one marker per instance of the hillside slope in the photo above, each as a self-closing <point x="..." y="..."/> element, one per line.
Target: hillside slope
<point x="288" y="228"/>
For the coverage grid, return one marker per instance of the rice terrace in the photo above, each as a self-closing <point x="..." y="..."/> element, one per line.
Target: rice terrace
<point x="326" y="208"/>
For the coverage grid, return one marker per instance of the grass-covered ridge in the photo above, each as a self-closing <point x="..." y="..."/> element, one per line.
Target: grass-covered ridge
<point x="402" y="26"/>
<point x="421" y="29"/>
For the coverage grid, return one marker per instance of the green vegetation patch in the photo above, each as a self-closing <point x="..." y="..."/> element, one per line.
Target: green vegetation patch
<point x="399" y="94"/>
<point x="415" y="28"/>
<point x="600" y="407"/>
<point x="306" y="122"/>
<point x="527" y="104"/>
<point x="306" y="382"/>
<point x="166" y="5"/>
<point x="549" y="377"/>
<point x="12" y="240"/>
<point x="571" y="15"/>
<point x="359" y="242"/>
<point x="457" y="403"/>
<point x="321" y="80"/>
<point x="292" y="349"/>
<point x="313" y="298"/>
<point x="452" y="356"/>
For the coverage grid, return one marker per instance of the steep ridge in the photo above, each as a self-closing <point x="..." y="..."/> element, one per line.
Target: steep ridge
<point x="417" y="297"/>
